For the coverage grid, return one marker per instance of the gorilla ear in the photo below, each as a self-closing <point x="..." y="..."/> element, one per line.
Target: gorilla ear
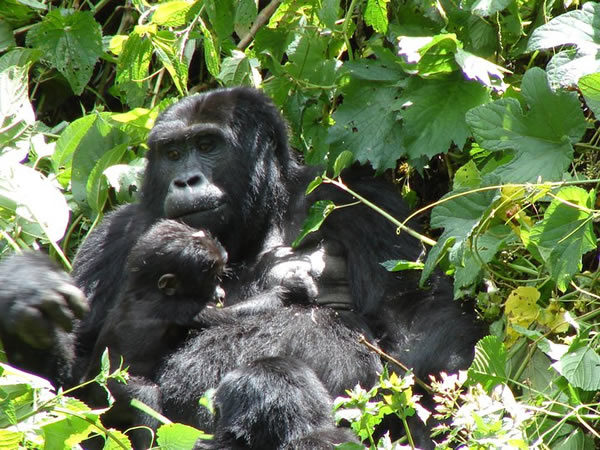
<point x="167" y="284"/>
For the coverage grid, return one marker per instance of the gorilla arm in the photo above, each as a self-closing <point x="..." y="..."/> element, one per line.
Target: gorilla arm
<point x="38" y="307"/>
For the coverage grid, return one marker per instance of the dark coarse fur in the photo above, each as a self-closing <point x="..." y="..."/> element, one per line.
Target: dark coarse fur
<point x="220" y="161"/>
<point x="272" y="404"/>
<point x="173" y="272"/>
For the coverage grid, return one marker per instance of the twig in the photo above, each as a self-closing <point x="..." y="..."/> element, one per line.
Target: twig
<point x="384" y="355"/>
<point x="261" y="19"/>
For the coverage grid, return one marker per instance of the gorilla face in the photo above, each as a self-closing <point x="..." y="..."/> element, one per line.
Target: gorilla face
<point x="219" y="161"/>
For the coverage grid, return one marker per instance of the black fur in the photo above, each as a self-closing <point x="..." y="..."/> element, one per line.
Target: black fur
<point x="220" y="161"/>
<point x="271" y="404"/>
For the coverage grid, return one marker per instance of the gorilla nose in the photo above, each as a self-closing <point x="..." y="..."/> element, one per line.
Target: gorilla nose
<point x="192" y="181"/>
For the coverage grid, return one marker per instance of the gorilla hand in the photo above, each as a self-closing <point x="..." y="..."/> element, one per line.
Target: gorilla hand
<point x="296" y="273"/>
<point x="35" y="298"/>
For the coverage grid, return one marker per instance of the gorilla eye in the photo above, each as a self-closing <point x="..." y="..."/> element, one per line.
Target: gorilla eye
<point x="173" y="155"/>
<point x="204" y="145"/>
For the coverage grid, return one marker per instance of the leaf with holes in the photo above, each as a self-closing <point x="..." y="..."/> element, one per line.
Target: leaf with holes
<point x="71" y="41"/>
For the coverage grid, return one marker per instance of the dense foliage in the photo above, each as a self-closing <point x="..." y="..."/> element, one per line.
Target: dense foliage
<point x="482" y="111"/>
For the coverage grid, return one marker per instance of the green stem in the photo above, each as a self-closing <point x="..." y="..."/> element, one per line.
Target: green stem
<point x="384" y="213"/>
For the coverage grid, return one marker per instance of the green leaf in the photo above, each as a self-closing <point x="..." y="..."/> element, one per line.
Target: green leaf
<point x="541" y="138"/>
<point x="479" y="69"/>
<point x="37" y="200"/>
<point x="344" y="160"/>
<point x="568" y="66"/>
<point x="373" y="70"/>
<point x="7" y="39"/>
<point x="222" y="23"/>
<point x="211" y="55"/>
<point x="171" y="14"/>
<point x="164" y="47"/>
<point x="245" y="15"/>
<point x="126" y="179"/>
<point x="16" y="112"/>
<point x="176" y="436"/>
<point x="376" y="15"/>
<point x="401" y="264"/>
<point x="459" y="217"/>
<point x="565" y="234"/>
<point x="307" y="54"/>
<point x="431" y="55"/>
<point x="329" y="12"/>
<point x="96" y="186"/>
<point x="314" y="184"/>
<point x="581" y="368"/>
<point x="366" y="125"/>
<point x="133" y="64"/>
<point x="590" y="88"/>
<point x="19" y="57"/>
<point x="489" y="365"/>
<point x="434" y="115"/>
<point x="82" y="145"/>
<point x="316" y="216"/>
<point x="467" y="176"/>
<point x="238" y="69"/>
<point x="66" y="433"/>
<point x="485" y="8"/>
<point x="580" y="27"/>
<point x="71" y="41"/>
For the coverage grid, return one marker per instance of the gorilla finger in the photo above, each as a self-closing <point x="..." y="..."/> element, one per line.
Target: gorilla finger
<point x="75" y="298"/>
<point x="31" y="326"/>
<point x="55" y="308"/>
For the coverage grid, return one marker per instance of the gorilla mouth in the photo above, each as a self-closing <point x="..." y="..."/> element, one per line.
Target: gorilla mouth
<point x="200" y="218"/>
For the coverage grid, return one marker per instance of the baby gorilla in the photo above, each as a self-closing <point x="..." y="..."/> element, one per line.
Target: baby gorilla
<point x="274" y="403"/>
<point x="173" y="271"/>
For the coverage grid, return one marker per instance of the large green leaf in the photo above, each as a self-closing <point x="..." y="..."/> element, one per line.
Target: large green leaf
<point x="35" y="198"/>
<point x="434" y="111"/>
<point x="568" y="66"/>
<point x="88" y="145"/>
<point x="541" y="137"/>
<point x="71" y="41"/>
<point x="580" y="27"/>
<point x="366" y="124"/>
<point x="566" y="233"/>
<point x="581" y="368"/>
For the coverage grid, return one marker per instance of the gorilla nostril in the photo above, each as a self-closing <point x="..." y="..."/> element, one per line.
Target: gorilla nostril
<point x="194" y="180"/>
<point x="179" y="183"/>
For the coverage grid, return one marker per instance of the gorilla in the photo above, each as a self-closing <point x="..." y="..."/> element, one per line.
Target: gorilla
<point x="271" y="404"/>
<point x="220" y="161"/>
<point x="173" y="272"/>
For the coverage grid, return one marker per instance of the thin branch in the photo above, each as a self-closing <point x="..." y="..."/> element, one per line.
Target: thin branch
<point x="261" y="19"/>
<point x="384" y="355"/>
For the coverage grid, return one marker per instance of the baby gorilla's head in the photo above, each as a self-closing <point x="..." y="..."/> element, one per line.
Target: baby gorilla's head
<point x="178" y="260"/>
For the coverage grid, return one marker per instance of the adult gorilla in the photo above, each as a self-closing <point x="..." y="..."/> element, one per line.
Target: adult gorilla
<point x="221" y="161"/>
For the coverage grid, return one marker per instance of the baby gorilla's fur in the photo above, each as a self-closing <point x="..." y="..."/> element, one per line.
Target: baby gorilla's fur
<point x="173" y="271"/>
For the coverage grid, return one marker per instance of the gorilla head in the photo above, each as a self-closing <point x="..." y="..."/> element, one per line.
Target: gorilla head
<point x="177" y="260"/>
<point x="220" y="161"/>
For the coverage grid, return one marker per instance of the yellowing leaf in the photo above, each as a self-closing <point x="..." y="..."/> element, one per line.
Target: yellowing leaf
<point x="553" y="318"/>
<point x="521" y="309"/>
